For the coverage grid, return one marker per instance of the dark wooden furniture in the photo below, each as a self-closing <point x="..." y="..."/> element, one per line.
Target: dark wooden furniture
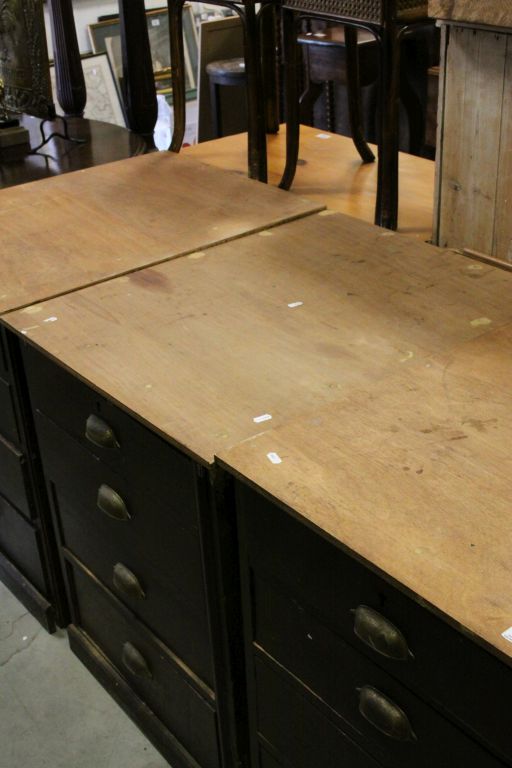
<point x="168" y="366"/>
<point x="345" y="666"/>
<point x="326" y="58"/>
<point x="340" y="397"/>
<point x="388" y="21"/>
<point x="67" y="232"/>
<point x="99" y="143"/>
<point x="139" y="94"/>
<point x="226" y="72"/>
<point x="27" y="546"/>
<point x="328" y="55"/>
<point x="259" y="31"/>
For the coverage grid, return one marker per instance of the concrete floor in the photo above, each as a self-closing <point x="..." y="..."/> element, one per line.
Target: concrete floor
<point x="53" y="714"/>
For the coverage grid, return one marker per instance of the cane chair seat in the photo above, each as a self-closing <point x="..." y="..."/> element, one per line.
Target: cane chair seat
<point x="371" y="11"/>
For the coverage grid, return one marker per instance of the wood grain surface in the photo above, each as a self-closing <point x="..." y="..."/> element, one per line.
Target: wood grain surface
<point x="330" y="172"/>
<point x="496" y="13"/>
<point x="474" y="177"/>
<point x="412" y="474"/>
<point x="73" y="230"/>
<point x="279" y="323"/>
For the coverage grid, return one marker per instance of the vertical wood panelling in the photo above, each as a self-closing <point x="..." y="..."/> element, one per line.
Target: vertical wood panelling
<point x="475" y="72"/>
<point x="503" y="227"/>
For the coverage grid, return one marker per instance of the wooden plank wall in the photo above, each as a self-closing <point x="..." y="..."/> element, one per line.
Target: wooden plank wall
<point x="474" y="172"/>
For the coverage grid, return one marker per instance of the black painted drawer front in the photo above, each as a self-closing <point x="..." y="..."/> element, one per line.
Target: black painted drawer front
<point x="339" y="675"/>
<point x="267" y="761"/>
<point x="143" y="457"/>
<point x="20" y="543"/>
<point x="159" y="544"/>
<point x="448" y="670"/>
<point x="289" y="720"/>
<point x="168" y="690"/>
<point x="14" y="480"/>
<point x="8" y="423"/>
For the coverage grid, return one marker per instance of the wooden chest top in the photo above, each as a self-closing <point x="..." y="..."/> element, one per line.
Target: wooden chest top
<point x="212" y="349"/>
<point x="77" y="229"/>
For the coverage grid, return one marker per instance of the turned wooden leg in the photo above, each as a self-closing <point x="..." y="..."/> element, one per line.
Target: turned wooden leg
<point x="269" y="63"/>
<point x="355" y="111"/>
<point x="257" y="140"/>
<point x="386" y="212"/>
<point x="291" y="87"/>
<point x="177" y="72"/>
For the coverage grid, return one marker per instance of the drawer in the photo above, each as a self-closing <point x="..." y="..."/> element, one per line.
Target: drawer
<point x="14" y="479"/>
<point x="454" y="674"/>
<point x="8" y="422"/>
<point x="297" y="730"/>
<point x="20" y="543"/>
<point x="129" y="448"/>
<point x="401" y="731"/>
<point x="158" y="678"/>
<point x="159" y="545"/>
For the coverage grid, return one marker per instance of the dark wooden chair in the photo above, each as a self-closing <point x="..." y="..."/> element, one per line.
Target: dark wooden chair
<point x="260" y="40"/>
<point x="389" y="21"/>
<point x="139" y="92"/>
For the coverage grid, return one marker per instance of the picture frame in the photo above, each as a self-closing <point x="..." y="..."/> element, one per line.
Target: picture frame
<point x="103" y="98"/>
<point x="103" y="36"/>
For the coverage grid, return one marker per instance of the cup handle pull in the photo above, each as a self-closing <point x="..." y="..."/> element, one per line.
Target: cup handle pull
<point x="384" y="715"/>
<point x="135" y="662"/>
<point x="126" y="582"/>
<point x="111" y="503"/>
<point x="99" y="433"/>
<point x="380" y="634"/>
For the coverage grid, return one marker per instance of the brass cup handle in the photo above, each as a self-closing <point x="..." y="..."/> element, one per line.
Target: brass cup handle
<point x="380" y="634"/>
<point x="126" y="582"/>
<point x="111" y="503"/>
<point x="384" y="715"/>
<point x="99" y="433"/>
<point x="135" y="662"/>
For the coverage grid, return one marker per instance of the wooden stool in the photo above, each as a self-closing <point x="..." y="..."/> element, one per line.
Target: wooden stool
<point x="226" y="72"/>
<point x="388" y="21"/>
<point x="326" y="64"/>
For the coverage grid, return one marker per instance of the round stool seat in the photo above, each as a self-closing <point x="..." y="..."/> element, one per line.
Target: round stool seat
<point x="230" y="72"/>
<point x="227" y="71"/>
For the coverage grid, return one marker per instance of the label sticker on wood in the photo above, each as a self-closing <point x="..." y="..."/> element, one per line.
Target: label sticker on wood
<point x="507" y="634"/>
<point x="274" y="458"/>
<point x="263" y="417"/>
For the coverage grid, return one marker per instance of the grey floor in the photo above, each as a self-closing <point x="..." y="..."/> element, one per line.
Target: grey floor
<point x="53" y="714"/>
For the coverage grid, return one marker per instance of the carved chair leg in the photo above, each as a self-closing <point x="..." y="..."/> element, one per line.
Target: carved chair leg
<point x="386" y="212"/>
<point x="71" y="91"/>
<point x="257" y="140"/>
<point x="355" y="112"/>
<point x="177" y="72"/>
<point x="290" y="47"/>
